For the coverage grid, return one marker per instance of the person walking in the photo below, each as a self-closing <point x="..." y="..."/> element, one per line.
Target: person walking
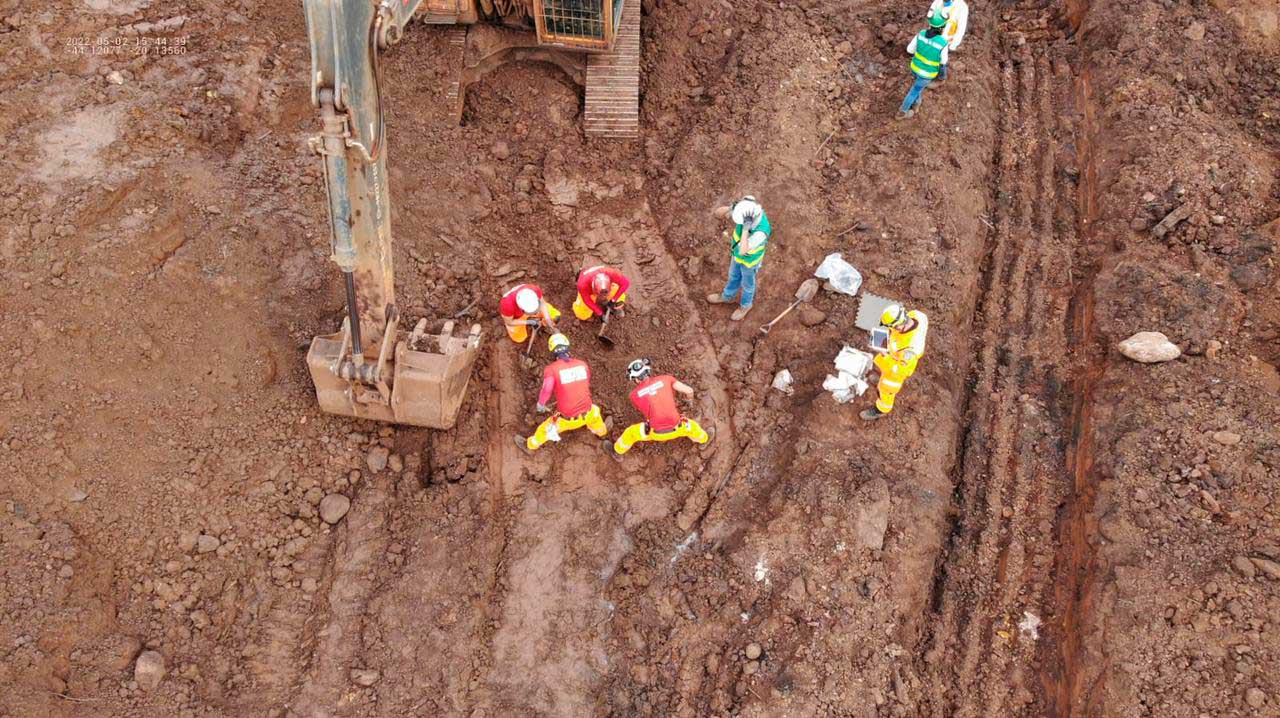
<point x="957" y="14"/>
<point x="750" y="238"/>
<point x="928" y="56"/>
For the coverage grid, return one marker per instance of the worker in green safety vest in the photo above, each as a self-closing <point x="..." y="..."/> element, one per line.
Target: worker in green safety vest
<point x="928" y="57"/>
<point x="751" y="232"/>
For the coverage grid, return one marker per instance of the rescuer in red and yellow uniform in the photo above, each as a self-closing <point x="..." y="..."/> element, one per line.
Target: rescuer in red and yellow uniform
<point x="655" y="399"/>
<point x="523" y="305"/>
<point x="599" y="288"/>
<point x="897" y="360"/>
<point x="570" y="380"/>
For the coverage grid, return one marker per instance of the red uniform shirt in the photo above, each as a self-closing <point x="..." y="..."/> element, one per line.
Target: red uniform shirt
<point x="507" y="306"/>
<point x="655" y="397"/>
<point x="584" y="285"/>
<point x="571" y="381"/>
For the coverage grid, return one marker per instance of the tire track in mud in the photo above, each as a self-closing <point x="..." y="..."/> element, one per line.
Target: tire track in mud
<point x="358" y="551"/>
<point x="993" y="588"/>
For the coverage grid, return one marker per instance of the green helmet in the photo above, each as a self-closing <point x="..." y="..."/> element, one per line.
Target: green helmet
<point x="937" y="19"/>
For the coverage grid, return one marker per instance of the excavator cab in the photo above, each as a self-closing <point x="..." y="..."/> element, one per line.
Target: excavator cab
<point x="578" y="24"/>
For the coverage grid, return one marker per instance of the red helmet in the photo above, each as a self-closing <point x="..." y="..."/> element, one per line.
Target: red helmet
<point x="600" y="283"/>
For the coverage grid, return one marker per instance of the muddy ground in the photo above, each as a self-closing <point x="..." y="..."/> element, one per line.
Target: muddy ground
<point x="1042" y="527"/>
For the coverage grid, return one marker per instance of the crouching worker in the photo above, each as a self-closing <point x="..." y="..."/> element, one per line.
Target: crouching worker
<point x="600" y="288"/>
<point x="523" y="306"/>
<point x="570" y="380"/>
<point x="655" y="398"/>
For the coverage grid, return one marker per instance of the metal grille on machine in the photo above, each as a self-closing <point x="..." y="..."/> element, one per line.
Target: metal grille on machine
<point x="574" y="18"/>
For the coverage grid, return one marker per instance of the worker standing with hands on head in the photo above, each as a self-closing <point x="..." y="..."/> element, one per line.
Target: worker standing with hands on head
<point x="957" y="14"/>
<point x="655" y="399"/>
<point x="569" y="380"/>
<point x="523" y="305"/>
<point x="928" y="58"/>
<point x="600" y="288"/>
<point x="898" y="358"/>
<point x="751" y="233"/>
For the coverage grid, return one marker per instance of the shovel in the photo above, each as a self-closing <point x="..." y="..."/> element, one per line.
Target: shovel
<point x="533" y="336"/>
<point x="604" y="325"/>
<point x="808" y="288"/>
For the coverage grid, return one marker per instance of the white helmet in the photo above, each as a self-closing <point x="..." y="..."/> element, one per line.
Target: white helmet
<point x="747" y="211"/>
<point x="639" y="370"/>
<point x="527" y="300"/>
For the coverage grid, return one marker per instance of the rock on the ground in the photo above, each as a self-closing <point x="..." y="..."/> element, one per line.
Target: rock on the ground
<point x="377" y="458"/>
<point x="1227" y="438"/>
<point x="1268" y="567"/>
<point x="562" y="189"/>
<point x="753" y="651"/>
<point x="812" y="316"/>
<point x="149" y="670"/>
<point x="1149" y="348"/>
<point x="364" y="676"/>
<point x="871" y="518"/>
<point x="207" y="544"/>
<point x="1244" y="566"/>
<point x="1255" y="698"/>
<point x="118" y="652"/>
<point x="333" y="507"/>
<point x="501" y="150"/>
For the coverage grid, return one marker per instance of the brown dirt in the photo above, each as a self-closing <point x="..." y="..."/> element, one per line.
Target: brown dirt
<point x="1041" y="528"/>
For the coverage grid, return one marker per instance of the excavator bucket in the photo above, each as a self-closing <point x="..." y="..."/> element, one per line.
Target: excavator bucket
<point x="428" y="378"/>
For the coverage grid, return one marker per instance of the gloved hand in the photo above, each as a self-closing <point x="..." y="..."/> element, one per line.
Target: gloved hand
<point x="542" y="409"/>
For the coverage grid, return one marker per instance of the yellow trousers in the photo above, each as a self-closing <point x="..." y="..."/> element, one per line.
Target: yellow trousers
<point x="637" y="433"/>
<point x="892" y="374"/>
<point x="583" y="312"/>
<point x="519" y="331"/>
<point x="556" y="425"/>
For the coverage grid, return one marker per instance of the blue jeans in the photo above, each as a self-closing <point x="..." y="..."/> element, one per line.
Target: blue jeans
<point x="744" y="277"/>
<point x="913" y="97"/>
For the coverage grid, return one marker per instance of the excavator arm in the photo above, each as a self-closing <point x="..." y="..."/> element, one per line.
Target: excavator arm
<point x="364" y="370"/>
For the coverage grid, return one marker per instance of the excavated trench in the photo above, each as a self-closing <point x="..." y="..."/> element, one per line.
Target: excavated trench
<point x="1011" y="594"/>
<point x="1075" y="568"/>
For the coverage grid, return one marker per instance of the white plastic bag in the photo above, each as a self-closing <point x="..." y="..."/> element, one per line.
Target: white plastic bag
<point x="840" y="274"/>
<point x="853" y="361"/>
<point x="849" y="380"/>
<point x="782" y="382"/>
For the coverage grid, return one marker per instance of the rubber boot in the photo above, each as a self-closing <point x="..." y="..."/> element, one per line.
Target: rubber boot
<point x="717" y="298"/>
<point x="523" y="444"/>
<point x="739" y="313"/>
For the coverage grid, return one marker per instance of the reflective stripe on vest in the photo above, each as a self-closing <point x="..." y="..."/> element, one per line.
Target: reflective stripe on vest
<point x="928" y="55"/>
<point x="753" y="259"/>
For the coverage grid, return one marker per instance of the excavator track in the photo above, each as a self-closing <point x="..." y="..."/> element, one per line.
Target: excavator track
<point x="613" y="82"/>
<point x="457" y="49"/>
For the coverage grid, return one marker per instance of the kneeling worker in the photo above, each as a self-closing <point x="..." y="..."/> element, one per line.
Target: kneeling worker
<point x="523" y="305"/>
<point x="898" y="359"/>
<point x="655" y="398"/>
<point x="570" y="379"/>
<point x="598" y="289"/>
